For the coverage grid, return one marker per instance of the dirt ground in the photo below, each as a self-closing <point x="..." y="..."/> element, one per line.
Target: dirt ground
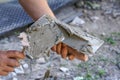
<point x="103" y="65"/>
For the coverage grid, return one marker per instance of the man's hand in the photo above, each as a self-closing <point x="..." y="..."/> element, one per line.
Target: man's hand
<point x="63" y="50"/>
<point x="9" y="60"/>
<point x="67" y="51"/>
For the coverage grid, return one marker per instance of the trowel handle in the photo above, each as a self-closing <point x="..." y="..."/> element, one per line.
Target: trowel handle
<point x="78" y="55"/>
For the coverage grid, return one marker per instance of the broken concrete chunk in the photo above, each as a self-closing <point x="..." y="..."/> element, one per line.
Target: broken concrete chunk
<point x="77" y="21"/>
<point x="46" y="32"/>
<point x="15" y="78"/>
<point x="94" y="18"/>
<point x="25" y="66"/>
<point x="78" y="78"/>
<point x="41" y="60"/>
<point x="63" y="69"/>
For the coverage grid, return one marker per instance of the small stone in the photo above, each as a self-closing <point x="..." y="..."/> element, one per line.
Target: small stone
<point x="118" y="65"/>
<point x="19" y="70"/>
<point x="15" y="78"/>
<point x="86" y="30"/>
<point x="103" y="34"/>
<point x="108" y="11"/>
<point x="79" y="4"/>
<point x="78" y="78"/>
<point x="94" y="18"/>
<point x="77" y="21"/>
<point x="25" y="66"/>
<point x="63" y="69"/>
<point x="41" y="60"/>
<point x="95" y="6"/>
<point x="117" y="51"/>
<point x="67" y="74"/>
<point x="116" y="14"/>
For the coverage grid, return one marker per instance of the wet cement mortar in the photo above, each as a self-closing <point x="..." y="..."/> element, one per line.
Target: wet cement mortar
<point x="103" y="65"/>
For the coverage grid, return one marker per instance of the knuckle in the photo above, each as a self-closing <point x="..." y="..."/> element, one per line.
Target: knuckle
<point x="4" y="73"/>
<point x="11" y="70"/>
<point x="7" y="61"/>
<point x="13" y="63"/>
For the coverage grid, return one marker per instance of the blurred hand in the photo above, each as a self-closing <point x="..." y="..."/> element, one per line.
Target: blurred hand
<point x="67" y="51"/>
<point x="9" y="60"/>
<point x="63" y="50"/>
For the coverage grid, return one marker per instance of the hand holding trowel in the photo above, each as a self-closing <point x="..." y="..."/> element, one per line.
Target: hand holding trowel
<point x="66" y="51"/>
<point x="47" y="32"/>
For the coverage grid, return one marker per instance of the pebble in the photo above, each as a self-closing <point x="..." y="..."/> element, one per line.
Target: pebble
<point x="103" y="34"/>
<point x="15" y="78"/>
<point x="116" y="14"/>
<point x="94" y="18"/>
<point x="86" y="30"/>
<point x="63" y="69"/>
<point x="41" y="60"/>
<point x="78" y="78"/>
<point x="118" y="65"/>
<point x="19" y="70"/>
<point x="108" y="11"/>
<point x="77" y="21"/>
<point x="25" y="66"/>
<point x="117" y="51"/>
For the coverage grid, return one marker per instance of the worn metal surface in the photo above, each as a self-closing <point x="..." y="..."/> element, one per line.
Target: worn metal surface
<point x="46" y="32"/>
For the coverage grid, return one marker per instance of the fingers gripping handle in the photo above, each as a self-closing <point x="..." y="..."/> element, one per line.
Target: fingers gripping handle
<point x="78" y="55"/>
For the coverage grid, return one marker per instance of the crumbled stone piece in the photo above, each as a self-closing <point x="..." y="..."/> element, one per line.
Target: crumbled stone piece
<point x="78" y="78"/>
<point x="118" y="65"/>
<point x="41" y="60"/>
<point x="25" y="66"/>
<point x="15" y="78"/>
<point x="77" y="21"/>
<point x="63" y="69"/>
<point x="94" y="18"/>
<point x="19" y="70"/>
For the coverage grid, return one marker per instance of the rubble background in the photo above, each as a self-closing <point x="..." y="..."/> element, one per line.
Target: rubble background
<point x="101" y="19"/>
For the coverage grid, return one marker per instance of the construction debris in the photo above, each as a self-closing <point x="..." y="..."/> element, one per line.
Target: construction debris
<point x="46" y="32"/>
<point x="118" y="65"/>
<point x="25" y="66"/>
<point x="77" y="21"/>
<point x="94" y="18"/>
<point x="41" y="60"/>
<point x="63" y="69"/>
<point x="15" y="78"/>
<point x="78" y="78"/>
